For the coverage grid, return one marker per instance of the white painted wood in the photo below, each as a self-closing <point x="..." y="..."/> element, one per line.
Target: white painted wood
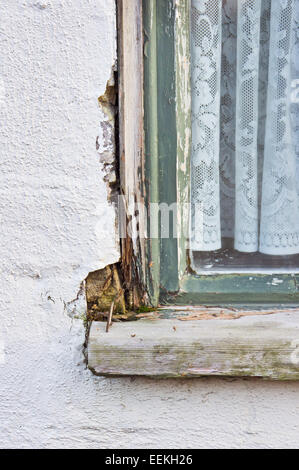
<point x="261" y="346"/>
<point x="130" y="99"/>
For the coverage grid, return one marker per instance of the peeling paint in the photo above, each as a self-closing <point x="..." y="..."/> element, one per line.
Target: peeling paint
<point x="183" y="111"/>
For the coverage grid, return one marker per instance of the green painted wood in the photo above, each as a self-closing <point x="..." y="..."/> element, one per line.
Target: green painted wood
<point x="167" y="139"/>
<point x="167" y="102"/>
<point x="183" y="119"/>
<point x="239" y="289"/>
<point x="151" y="141"/>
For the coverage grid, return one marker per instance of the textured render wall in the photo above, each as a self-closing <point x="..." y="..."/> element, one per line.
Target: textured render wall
<point x="56" y="226"/>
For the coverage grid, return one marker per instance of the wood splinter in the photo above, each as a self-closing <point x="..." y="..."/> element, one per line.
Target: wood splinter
<point x="109" y="320"/>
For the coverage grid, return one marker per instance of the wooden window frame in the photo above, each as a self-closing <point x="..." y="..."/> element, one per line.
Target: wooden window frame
<point x="163" y="76"/>
<point x="246" y="337"/>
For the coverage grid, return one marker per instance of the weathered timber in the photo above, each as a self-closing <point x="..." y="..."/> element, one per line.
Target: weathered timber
<point x="131" y="149"/>
<point x="265" y="346"/>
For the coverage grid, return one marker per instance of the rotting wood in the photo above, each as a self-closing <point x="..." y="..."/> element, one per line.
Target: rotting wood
<point x="191" y="314"/>
<point x="129" y="275"/>
<point x="252" y="346"/>
<point x="131" y="148"/>
<point x="102" y="288"/>
<point x="106" y="286"/>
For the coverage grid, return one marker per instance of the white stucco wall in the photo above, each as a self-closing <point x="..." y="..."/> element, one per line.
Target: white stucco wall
<point x="56" y="226"/>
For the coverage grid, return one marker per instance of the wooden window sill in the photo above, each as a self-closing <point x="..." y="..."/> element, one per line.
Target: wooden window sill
<point x="197" y="342"/>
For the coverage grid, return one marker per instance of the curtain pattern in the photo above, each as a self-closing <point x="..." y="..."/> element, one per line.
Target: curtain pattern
<point x="245" y="152"/>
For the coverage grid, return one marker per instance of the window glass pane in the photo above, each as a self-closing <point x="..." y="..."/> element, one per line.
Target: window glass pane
<point x="245" y="135"/>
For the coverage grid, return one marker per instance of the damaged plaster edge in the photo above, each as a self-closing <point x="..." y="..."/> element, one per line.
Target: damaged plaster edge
<point x="107" y="144"/>
<point x="76" y="310"/>
<point x="106" y="147"/>
<point x="125" y="278"/>
<point x="107" y="150"/>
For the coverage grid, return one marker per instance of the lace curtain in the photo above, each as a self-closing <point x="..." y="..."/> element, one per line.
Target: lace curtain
<point x="245" y="125"/>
